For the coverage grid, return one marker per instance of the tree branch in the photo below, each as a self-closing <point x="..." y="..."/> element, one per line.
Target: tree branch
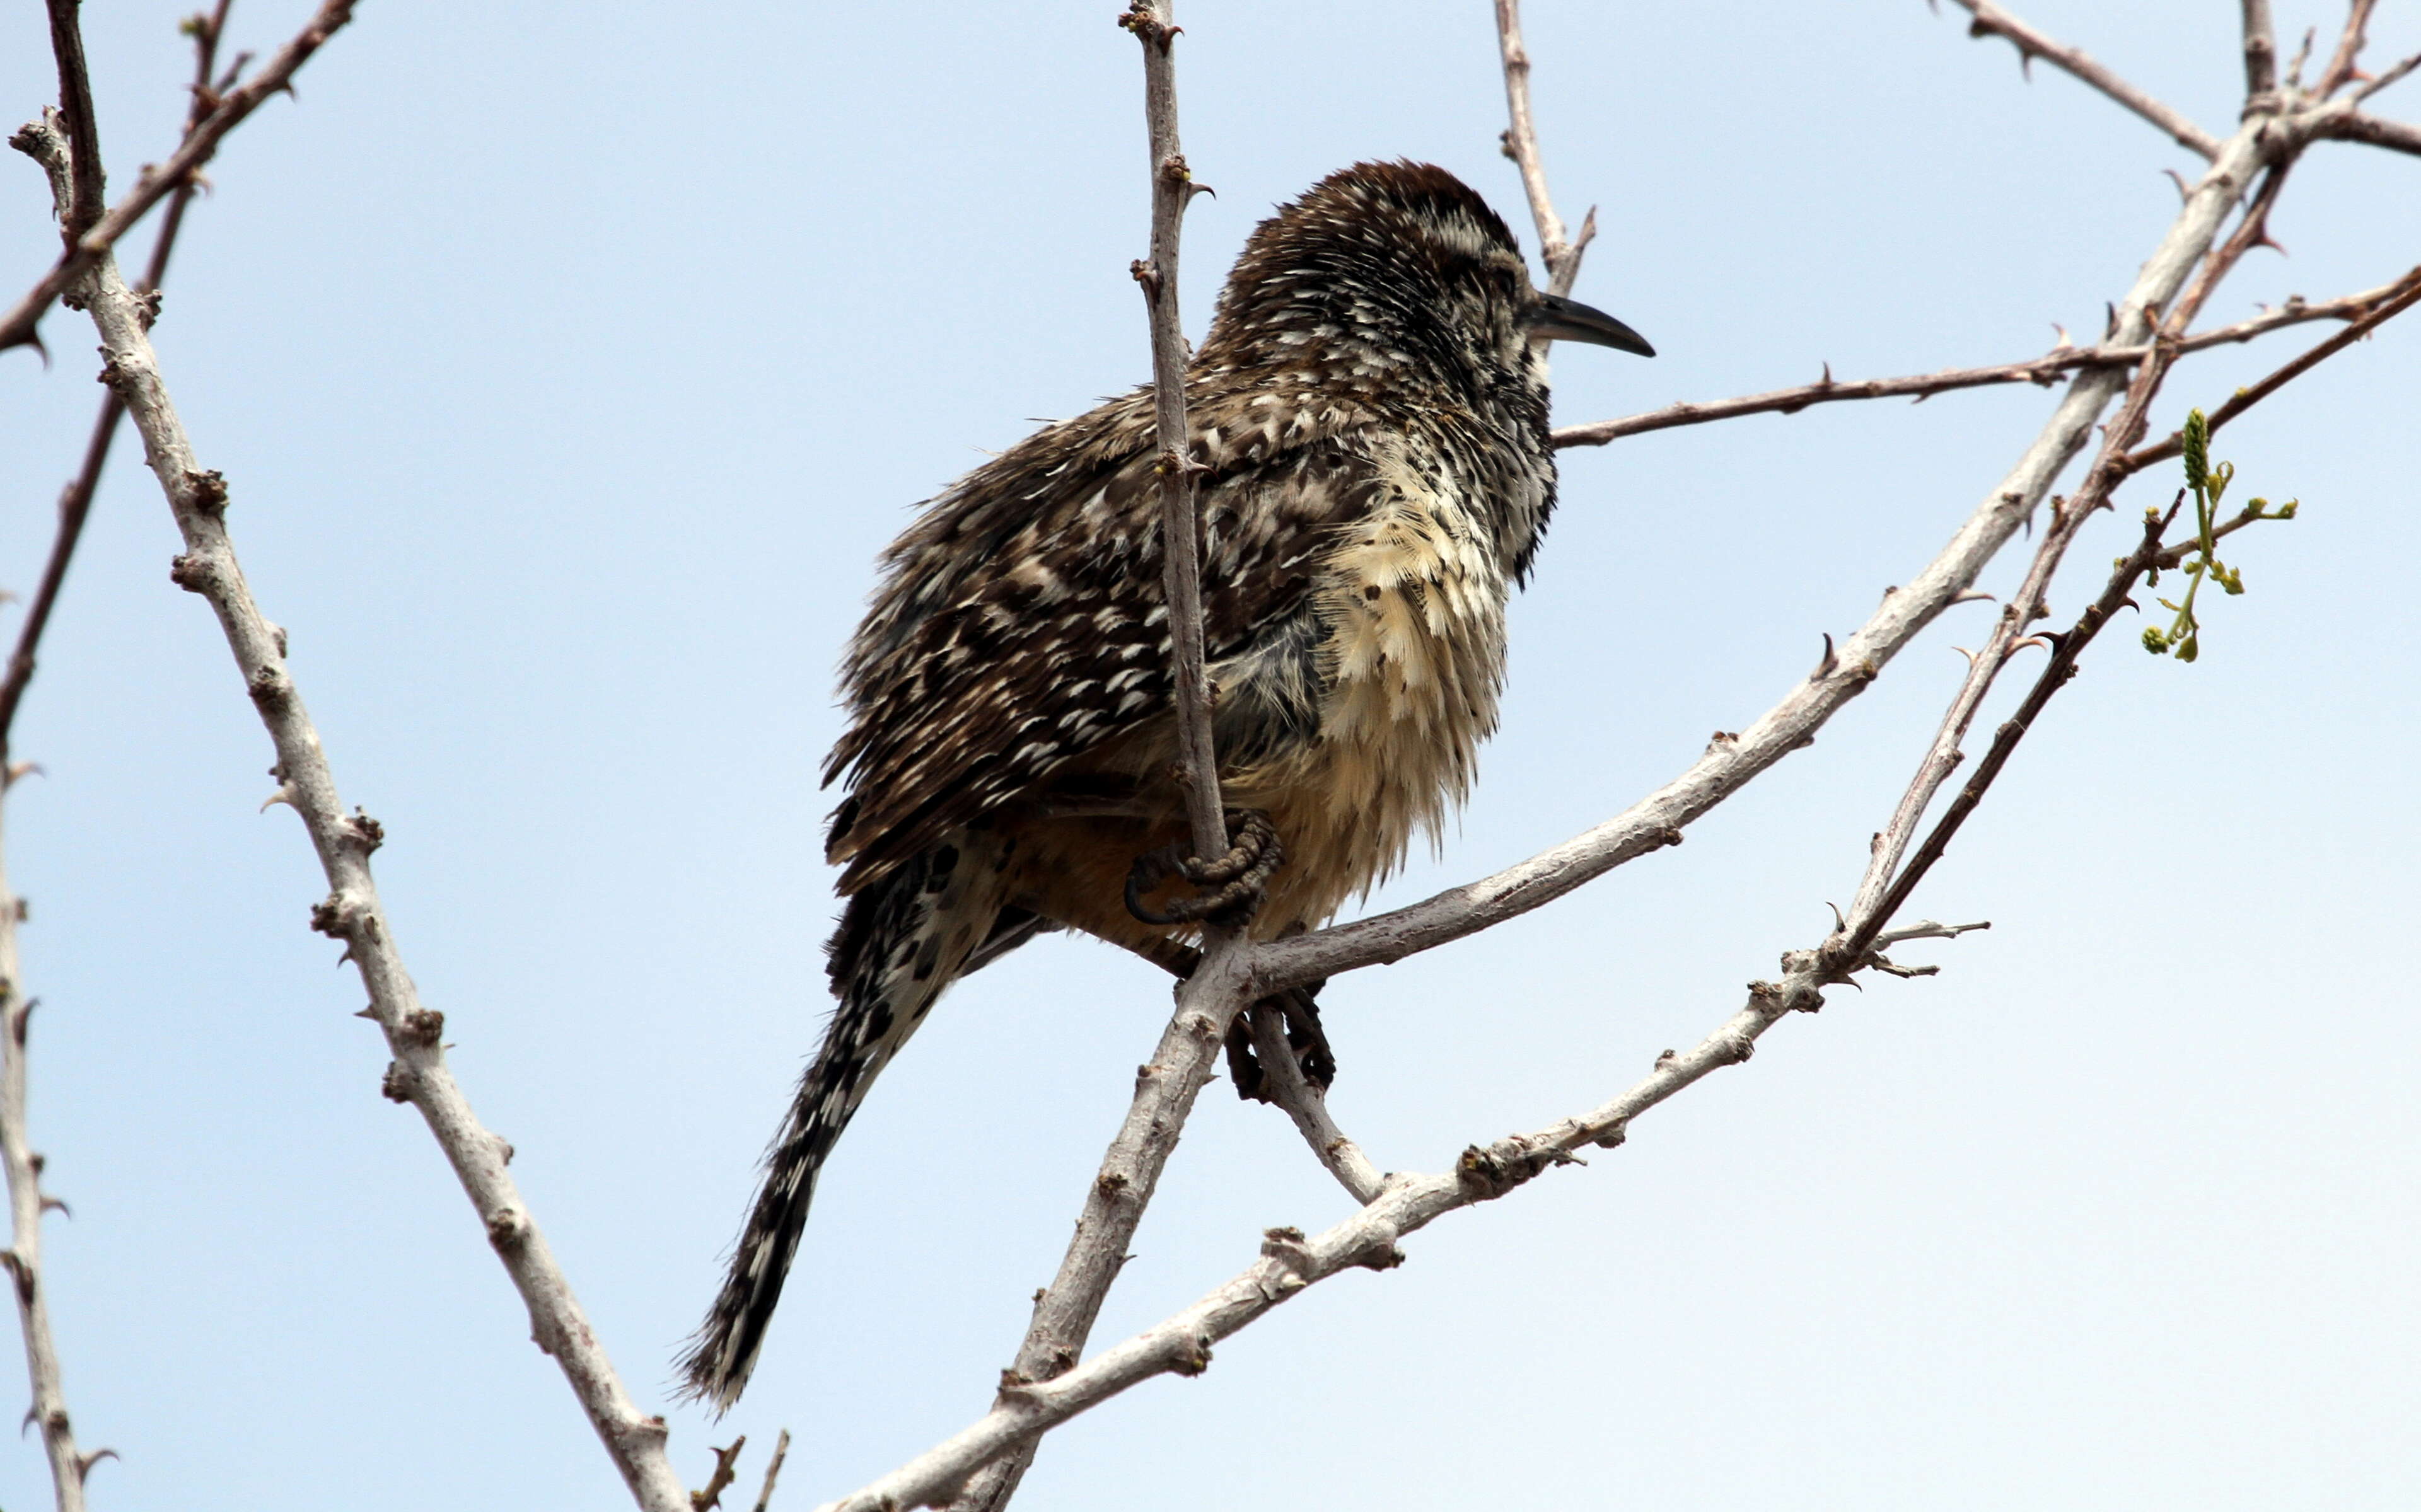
<point x="1180" y="525"/>
<point x="86" y="192"/>
<point x="1165" y="1089"/>
<point x="1731" y="763"/>
<point x="352" y="912"/>
<point x="2394" y="301"/>
<point x="2350" y="43"/>
<point x="27" y="1205"/>
<point x="2260" y="49"/>
<point x="1284" y="1082"/>
<point x="2043" y="371"/>
<point x="2351" y="125"/>
<point x="773" y="1470"/>
<point x="75" y="501"/>
<point x="1289" y="1262"/>
<point x="1208" y="1000"/>
<point x="1562" y="258"/>
<point x="1991" y="21"/>
<point x="17" y="328"/>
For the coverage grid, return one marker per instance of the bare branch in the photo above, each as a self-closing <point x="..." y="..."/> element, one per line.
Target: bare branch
<point x="773" y="1470"/>
<point x="1207" y="1001"/>
<point x="2260" y="49"/>
<point x="1991" y="21"/>
<point x="2351" y="125"/>
<point x="725" y="1461"/>
<point x="1728" y="765"/>
<point x="75" y="501"/>
<point x="1886" y="888"/>
<point x="86" y="192"/>
<point x="2042" y="370"/>
<point x="1286" y="1085"/>
<point x="1165" y="1089"/>
<point x="17" y="326"/>
<point x="2395" y="71"/>
<point x="1289" y="1262"/>
<point x="23" y="1258"/>
<point x="2394" y="301"/>
<point x="352" y="912"/>
<point x="1521" y="140"/>
<point x="1180" y="525"/>
<point x="2351" y="42"/>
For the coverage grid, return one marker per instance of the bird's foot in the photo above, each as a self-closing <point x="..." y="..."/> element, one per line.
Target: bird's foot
<point x="1235" y="880"/>
<point x="1300" y="1008"/>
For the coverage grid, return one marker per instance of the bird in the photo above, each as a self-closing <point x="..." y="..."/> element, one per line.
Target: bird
<point x="1367" y="414"/>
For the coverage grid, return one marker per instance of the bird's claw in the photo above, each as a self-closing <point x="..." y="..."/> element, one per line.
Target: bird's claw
<point x="1236" y="879"/>
<point x="1305" y="1037"/>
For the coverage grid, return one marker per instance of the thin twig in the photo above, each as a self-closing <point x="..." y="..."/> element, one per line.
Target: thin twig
<point x="17" y="328"/>
<point x="1991" y="21"/>
<point x="2395" y="71"/>
<point x="2044" y="371"/>
<point x="1885" y="887"/>
<point x="2398" y="298"/>
<point x="352" y="912"/>
<point x="86" y="194"/>
<point x="1521" y="140"/>
<point x="2351" y="42"/>
<point x="1282" y="1079"/>
<point x="75" y="501"/>
<point x="2055" y="675"/>
<point x="27" y="1205"/>
<point x="1181" y="526"/>
<point x="726" y="1461"/>
<point x="773" y="1470"/>
<point x="1206" y="1001"/>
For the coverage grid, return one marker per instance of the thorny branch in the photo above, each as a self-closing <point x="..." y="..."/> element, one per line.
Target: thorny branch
<point x="17" y="328"/>
<point x="2043" y="371"/>
<point x="1167" y="1085"/>
<point x="27" y="1205"/>
<point x="1880" y="893"/>
<point x="352" y="912"/>
<point x="1520" y="141"/>
<point x="1991" y="21"/>
<point x="2148" y="327"/>
<point x="75" y="501"/>
<point x="2396" y="298"/>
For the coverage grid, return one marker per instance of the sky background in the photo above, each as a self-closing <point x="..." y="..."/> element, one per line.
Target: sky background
<point x="569" y="366"/>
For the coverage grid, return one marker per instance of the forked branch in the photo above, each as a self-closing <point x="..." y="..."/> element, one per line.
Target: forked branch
<point x="17" y="328"/>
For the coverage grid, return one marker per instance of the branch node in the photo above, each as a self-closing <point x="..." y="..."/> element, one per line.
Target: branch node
<point x="421" y="1026"/>
<point x="508" y="1229"/>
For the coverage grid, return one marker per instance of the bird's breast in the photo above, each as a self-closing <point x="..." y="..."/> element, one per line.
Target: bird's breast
<point x="1411" y="601"/>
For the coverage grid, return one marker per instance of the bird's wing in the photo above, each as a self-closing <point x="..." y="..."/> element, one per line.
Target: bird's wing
<point x="1020" y="622"/>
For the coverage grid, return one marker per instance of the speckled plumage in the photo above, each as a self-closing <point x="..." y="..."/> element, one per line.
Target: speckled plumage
<point x="1370" y="414"/>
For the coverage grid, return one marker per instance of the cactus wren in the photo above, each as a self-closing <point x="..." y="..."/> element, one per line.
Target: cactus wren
<point x="1370" y="415"/>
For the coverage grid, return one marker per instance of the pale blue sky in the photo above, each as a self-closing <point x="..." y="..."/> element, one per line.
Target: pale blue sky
<point x="568" y="366"/>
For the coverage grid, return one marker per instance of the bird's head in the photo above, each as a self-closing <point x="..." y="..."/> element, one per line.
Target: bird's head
<point x="1388" y="270"/>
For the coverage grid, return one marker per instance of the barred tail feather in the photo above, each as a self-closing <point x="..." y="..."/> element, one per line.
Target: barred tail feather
<point x="901" y="942"/>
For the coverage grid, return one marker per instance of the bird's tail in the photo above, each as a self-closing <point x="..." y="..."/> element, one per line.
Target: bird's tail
<point x="902" y="941"/>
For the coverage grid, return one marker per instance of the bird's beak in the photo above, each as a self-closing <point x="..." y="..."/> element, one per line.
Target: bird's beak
<point x="1566" y="320"/>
